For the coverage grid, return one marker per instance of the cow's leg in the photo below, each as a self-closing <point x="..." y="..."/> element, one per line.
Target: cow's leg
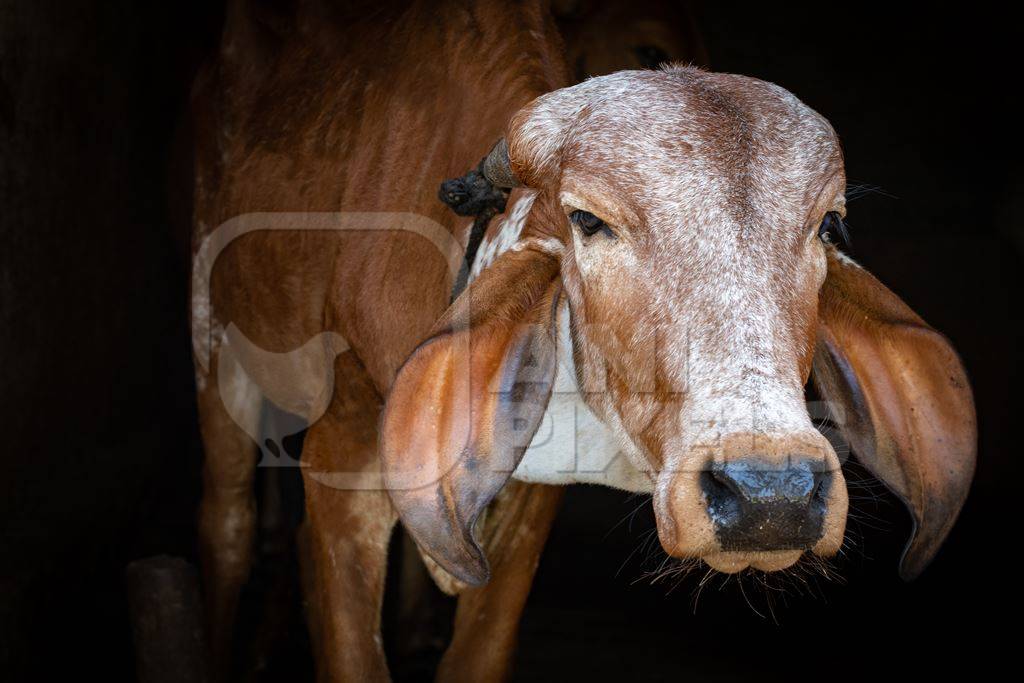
<point x="344" y="542"/>
<point x="227" y="510"/>
<point x="487" y="618"/>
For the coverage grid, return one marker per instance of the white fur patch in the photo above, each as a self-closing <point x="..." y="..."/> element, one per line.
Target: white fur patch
<point x="572" y="445"/>
<point x="504" y="238"/>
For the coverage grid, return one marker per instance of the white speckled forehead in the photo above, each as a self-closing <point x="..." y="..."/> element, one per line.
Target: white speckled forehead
<point x="683" y="140"/>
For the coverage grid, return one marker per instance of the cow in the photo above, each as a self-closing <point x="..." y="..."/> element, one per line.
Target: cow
<point x="664" y="272"/>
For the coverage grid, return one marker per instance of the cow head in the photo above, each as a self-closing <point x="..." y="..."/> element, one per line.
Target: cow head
<point x="684" y="217"/>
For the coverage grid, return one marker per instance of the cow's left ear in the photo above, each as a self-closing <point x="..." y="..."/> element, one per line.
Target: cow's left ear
<point x="467" y="403"/>
<point x="907" y="407"/>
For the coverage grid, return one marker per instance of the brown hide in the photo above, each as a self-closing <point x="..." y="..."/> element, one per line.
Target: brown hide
<point x="325" y="121"/>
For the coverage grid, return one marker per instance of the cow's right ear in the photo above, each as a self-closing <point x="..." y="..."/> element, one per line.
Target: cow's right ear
<point x="467" y="403"/>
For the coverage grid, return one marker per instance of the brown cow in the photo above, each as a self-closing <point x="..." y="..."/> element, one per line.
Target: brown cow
<point x="664" y="270"/>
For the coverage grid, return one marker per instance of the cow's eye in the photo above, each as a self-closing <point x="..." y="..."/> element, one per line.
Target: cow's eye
<point x="589" y="224"/>
<point x="832" y="229"/>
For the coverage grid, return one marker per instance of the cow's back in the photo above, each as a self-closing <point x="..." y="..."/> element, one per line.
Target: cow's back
<point x="324" y="120"/>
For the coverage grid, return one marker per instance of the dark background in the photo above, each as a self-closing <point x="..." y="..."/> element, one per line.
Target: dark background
<point x="101" y="459"/>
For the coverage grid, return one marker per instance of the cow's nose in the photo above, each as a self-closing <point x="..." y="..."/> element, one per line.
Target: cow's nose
<point x="759" y="505"/>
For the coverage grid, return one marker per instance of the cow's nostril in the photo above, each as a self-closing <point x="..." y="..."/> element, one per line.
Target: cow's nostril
<point x="822" y="487"/>
<point x="722" y="485"/>
<point x="721" y="496"/>
<point x="757" y="505"/>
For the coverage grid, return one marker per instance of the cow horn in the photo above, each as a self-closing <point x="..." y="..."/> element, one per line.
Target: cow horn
<point x="497" y="167"/>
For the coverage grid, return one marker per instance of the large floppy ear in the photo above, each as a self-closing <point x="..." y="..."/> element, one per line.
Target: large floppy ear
<point x="466" y="404"/>
<point x="906" y="404"/>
